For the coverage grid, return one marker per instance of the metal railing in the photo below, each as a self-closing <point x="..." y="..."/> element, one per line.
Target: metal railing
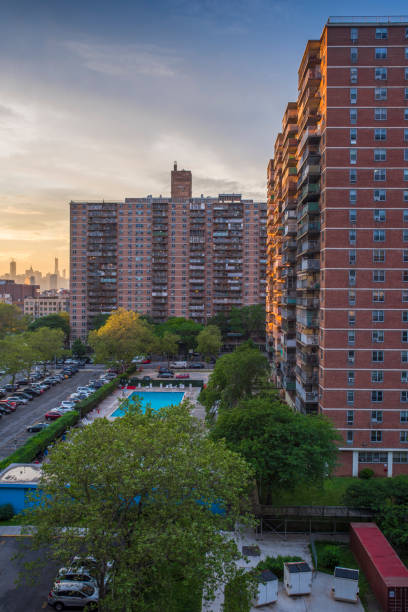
<point x="368" y="19"/>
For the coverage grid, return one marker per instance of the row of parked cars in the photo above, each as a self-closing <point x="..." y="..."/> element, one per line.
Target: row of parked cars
<point x="76" y="585"/>
<point x="80" y="394"/>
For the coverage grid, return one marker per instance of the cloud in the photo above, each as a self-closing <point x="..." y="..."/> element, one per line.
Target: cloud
<point x="125" y="60"/>
<point x="14" y="210"/>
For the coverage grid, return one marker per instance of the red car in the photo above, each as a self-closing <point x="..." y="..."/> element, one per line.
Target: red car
<point x="146" y="360"/>
<point x="10" y="405"/>
<point x="184" y="375"/>
<point x="52" y="416"/>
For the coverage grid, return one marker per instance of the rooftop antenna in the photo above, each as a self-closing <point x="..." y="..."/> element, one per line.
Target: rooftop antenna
<point x="175" y="165"/>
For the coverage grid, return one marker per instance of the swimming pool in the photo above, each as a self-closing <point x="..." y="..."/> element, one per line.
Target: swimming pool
<point x="156" y="399"/>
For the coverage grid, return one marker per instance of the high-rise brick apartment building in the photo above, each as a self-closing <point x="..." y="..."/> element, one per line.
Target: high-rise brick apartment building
<point x="177" y="256"/>
<point x="337" y="279"/>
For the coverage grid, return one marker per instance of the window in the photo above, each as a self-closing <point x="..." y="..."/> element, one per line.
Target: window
<point x="353" y="95"/>
<point x="404" y="397"/>
<point x="404" y="356"/>
<point x="376" y="416"/>
<point x="378" y="256"/>
<point x="379" y="155"/>
<point x="404" y="416"/>
<point x="405" y="154"/>
<point x="350" y="437"/>
<point x="404" y="296"/>
<point x="405" y="256"/>
<point x="352" y="196"/>
<point x="405" y="74"/>
<point x="350" y="356"/>
<point x="380" y="133"/>
<point x="351" y="317"/>
<point x="369" y="457"/>
<point x="381" y="53"/>
<point x="353" y="75"/>
<point x="377" y="376"/>
<point x="353" y="135"/>
<point x="353" y="175"/>
<point x="350" y="377"/>
<point x="353" y="115"/>
<point x="378" y="295"/>
<point x="380" y="195"/>
<point x="406" y="52"/>
<point x="404" y="336"/>
<point x="378" y="276"/>
<point x="380" y="93"/>
<point x="405" y="196"/>
<point x="377" y="396"/>
<point x="354" y="55"/>
<point x="378" y="356"/>
<point x="380" y="114"/>
<point x="404" y="376"/>
<point x="381" y="33"/>
<point x="352" y="297"/>
<point x="377" y="335"/>
<point x="354" y="34"/>
<point x="350" y="397"/>
<point x="352" y="216"/>
<point x="352" y="236"/>
<point x="350" y="417"/>
<point x="376" y="436"/>
<point x="405" y="216"/>
<point x="405" y="134"/>
<point x="403" y="436"/>
<point x="379" y="215"/>
<point x="406" y="93"/>
<point x="353" y="156"/>
<point x="352" y="257"/>
<point x="406" y="114"/>
<point x="379" y="235"/>
<point x="380" y="74"/>
<point x="378" y="316"/>
<point x="405" y="235"/>
<point x="380" y="174"/>
<point x="399" y="457"/>
<point x="352" y="277"/>
<point x="351" y="336"/>
<point x="405" y="174"/>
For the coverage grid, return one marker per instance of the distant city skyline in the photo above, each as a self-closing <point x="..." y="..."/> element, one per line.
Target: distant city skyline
<point x="98" y="99"/>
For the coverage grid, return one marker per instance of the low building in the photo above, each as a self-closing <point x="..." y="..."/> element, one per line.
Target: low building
<point x="18" y="291"/>
<point x="16" y="482"/>
<point x="46" y="304"/>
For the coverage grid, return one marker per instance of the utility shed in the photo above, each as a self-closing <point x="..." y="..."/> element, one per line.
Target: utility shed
<point x="297" y="578"/>
<point x="16" y="481"/>
<point x="386" y="573"/>
<point x="267" y="588"/>
<point x="345" y="584"/>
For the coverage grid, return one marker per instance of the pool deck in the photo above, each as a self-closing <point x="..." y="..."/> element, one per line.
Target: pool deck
<point x="111" y="403"/>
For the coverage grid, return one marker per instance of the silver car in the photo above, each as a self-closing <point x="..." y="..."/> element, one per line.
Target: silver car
<point x="66" y="594"/>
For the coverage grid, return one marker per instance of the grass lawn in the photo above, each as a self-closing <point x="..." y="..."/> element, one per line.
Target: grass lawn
<point x="329" y="494"/>
<point x="346" y="559"/>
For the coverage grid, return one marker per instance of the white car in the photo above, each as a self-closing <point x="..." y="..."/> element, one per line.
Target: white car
<point x="67" y="404"/>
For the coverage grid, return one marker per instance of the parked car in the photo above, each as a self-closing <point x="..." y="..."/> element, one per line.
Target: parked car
<point x="22" y="381"/>
<point x="34" y="392"/>
<point x="163" y="369"/>
<point x="196" y="365"/>
<point x="2" y="391"/>
<point x="165" y="375"/>
<point x="25" y="395"/>
<point x="17" y="400"/>
<point x="178" y="365"/>
<point x="37" y="427"/>
<point x="184" y="375"/>
<point x="67" y="404"/>
<point x="5" y="410"/>
<point x="147" y="379"/>
<point x="146" y="360"/>
<point x="72" y="594"/>
<point x="53" y="414"/>
<point x="9" y="387"/>
<point x="75" y="574"/>
<point x="10" y="405"/>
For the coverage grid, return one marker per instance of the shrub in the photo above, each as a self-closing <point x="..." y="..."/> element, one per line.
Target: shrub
<point x="6" y="512"/>
<point x="366" y="474"/>
<point x="330" y="557"/>
<point x="275" y="564"/>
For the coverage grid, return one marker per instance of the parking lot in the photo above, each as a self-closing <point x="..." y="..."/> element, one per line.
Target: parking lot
<point x="13" y="426"/>
<point x="25" y="597"/>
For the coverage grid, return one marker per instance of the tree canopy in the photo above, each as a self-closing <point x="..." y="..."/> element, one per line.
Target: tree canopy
<point x="141" y="490"/>
<point x="12" y="320"/>
<point x="235" y="376"/>
<point x="286" y="448"/>
<point x="186" y="329"/>
<point x="209" y="341"/>
<point x="53" y="321"/>
<point x="245" y="322"/>
<point x="122" y="337"/>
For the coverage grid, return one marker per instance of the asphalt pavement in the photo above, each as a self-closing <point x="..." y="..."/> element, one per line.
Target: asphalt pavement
<point x="24" y="597"/>
<point x="13" y="426"/>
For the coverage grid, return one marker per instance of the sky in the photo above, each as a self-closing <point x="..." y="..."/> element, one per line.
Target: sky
<point x="99" y="97"/>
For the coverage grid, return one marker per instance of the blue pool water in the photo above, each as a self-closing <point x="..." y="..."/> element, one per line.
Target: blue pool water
<point x="156" y="399"/>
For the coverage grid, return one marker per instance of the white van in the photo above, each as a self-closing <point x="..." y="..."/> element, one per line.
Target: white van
<point x="178" y="365"/>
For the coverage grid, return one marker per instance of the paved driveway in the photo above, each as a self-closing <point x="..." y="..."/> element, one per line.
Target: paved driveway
<point x="13" y="426"/>
<point x="25" y="597"/>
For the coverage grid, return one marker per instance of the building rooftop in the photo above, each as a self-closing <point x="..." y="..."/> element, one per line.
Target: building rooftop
<point x="367" y="20"/>
<point x="21" y="473"/>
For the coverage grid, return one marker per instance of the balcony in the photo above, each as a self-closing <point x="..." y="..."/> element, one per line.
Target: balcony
<point x="309" y="246"/>
<point x="307" y="359"/>
<point x="308" y="339"/>
<point x="307" y="396"/>
<point x="312" y="227"/>
<point x="309" y="190"/>
<point x="310" y="265"/>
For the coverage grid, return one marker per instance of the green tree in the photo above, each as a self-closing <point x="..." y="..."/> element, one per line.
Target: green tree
<point x="79" y="348"/>
<point x="46" y="343"/>
<point x="209" y="341"/>
<point x="169" y="345"/>
<point x="12" y="320"/>
<point x="186" y="329"/>
<point x="235" y="376"/>
<point x="53" y="321"/>
<point x="286" y="448"/>
<point x="98" y="321"/>
<point x="16" y="354"/>
<point x="123" y="336"/>
<point x="140" y="489"/>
